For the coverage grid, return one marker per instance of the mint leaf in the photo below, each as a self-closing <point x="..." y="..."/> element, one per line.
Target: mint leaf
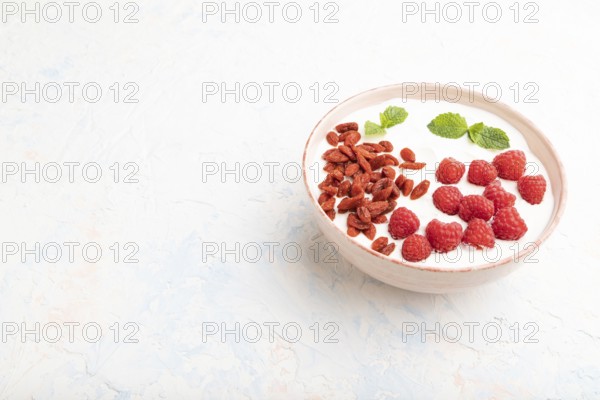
<point x="488" y="137"/>
<point x="475" y="131"/>
<point x="372" y="129"/>
<point x="392" y="116"/>
<point x="451" y="125"/>
<point x="448" y="125"/>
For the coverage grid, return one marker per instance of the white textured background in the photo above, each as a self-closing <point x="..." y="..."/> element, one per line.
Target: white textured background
<point x="172" y="291"/>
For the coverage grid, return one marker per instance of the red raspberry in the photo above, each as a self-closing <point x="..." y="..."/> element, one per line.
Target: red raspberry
<point x="510" y="164"/>
<point x="508" y="224"/>
<point x="447" y="199"/>
<point x="481" y="173"/>
<point x="532" y="188"/>
<point x="403" y="223"/>
<point x="500" y="197"/>
<point x="443" y="237"/>
<point x="450" y="171"/>
<point x="479" y="234"/>
<point x="475" y="206"/>
<point x="416" y="248"/>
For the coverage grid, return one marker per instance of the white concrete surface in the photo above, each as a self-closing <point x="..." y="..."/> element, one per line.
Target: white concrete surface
<point x="179" y="293"/>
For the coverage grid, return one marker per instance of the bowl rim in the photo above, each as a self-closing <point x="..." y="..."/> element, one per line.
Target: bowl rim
<point x="429" y="268"/>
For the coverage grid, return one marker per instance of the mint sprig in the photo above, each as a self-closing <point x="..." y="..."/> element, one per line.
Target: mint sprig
<point x="449" y="125"/>
<point x="392" y="116"/>
<point x="475" y="131"/>
<point x="488" y="137"/>
<point x="454" y="126"/>
<point x="372" y="129"/>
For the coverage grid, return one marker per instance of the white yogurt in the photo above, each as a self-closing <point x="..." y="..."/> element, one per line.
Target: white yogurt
<point x="431" y="149"/>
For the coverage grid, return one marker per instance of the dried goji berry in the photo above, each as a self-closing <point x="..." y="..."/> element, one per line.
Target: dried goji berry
<point x="420" y="190"/>
<point x="347" y="126"/>
<point x="332" y="138"/>
<point x="407" y="187"/>
<point x="363" y="214"/>
<point x="379" y="243"/>
<point x="389" y="249"/>
<point x="408" y="155"/>
<point x="413" y="165"/>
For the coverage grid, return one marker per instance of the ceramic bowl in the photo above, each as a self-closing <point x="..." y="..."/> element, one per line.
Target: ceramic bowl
<point x="427" y="277"/>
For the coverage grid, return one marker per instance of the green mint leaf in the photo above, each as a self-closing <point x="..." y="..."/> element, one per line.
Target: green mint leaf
<point x="448" y="125"/>
<point x="372" y="129"/>
<point x="488" y="137"/>
<point x="475" y="131"/>
<point x="392" y="116"/>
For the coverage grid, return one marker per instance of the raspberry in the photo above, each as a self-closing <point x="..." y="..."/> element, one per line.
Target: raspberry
<point x="403" y="223"/>
<point x="443" y="237"/>
<point x="532" y="188"/>
<point x="450" y="171"/>
<point x="500" y="197"/>
<point x="510" y="164"/>
<point x="475" y="206"/>
<point x="508" y="224"/>
<point x="481" y="173"/>
<point x="447" y="199"/>
<point x="416" y="248"/>
<point x="479" y="234"/>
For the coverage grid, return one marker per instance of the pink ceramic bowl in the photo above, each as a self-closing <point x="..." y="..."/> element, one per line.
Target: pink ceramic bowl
<point x="427" y="277"/>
